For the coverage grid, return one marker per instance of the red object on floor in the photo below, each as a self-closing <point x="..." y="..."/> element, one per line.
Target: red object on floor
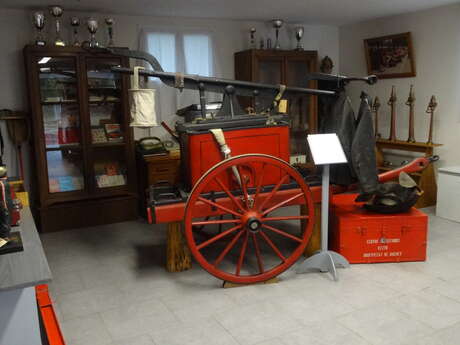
<point x="364" y="237"/>
<point x="50" y="321"/>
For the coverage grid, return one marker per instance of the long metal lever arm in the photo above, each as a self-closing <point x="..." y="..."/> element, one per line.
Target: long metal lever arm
<point x="241" y="88"/>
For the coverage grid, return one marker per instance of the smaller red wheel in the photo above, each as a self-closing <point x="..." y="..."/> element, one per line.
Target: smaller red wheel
<point x="253" y="218"/>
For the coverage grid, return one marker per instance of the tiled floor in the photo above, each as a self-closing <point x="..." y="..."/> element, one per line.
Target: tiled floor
<point x="110" y="288"/>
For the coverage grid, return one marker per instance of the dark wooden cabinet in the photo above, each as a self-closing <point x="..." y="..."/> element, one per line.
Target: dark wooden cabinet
<point x="287" y="67"/>
<point x="84" y="161"/>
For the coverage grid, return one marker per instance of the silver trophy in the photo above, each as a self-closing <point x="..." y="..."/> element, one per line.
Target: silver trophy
<point x="252" y="33"/>
<point x="277" y="24"/>
<point x="75" y="23"/>
<point x="56" y="12"/>
<point x="299" y="30"/>
<point x="39" y="23"/>
<point x="92" y="28"/>
<point x="109" y="22"/>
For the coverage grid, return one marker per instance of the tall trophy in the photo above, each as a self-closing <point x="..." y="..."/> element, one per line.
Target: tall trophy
<point x="252" y="33"/>
<point x="39" y="23"/>
<point x="92" y="28"/>
<point x="56" y="12"/>
<point x="109" y="22"/>
<point x="75" y="23"/>
<point x="299" y="30"/>
<point x="277" y="24"/>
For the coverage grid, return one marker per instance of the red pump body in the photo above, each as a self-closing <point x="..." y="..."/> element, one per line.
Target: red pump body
<point x="200" y="152"/>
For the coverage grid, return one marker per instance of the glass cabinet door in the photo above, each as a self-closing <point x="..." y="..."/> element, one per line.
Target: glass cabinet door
<point x="107" y="123"/>
<point x="61" y="123"/>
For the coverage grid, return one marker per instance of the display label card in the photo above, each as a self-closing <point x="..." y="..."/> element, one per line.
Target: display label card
<point x="326" y="149"/>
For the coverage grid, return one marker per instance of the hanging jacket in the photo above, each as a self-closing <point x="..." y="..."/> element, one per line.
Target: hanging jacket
<point x="336" y="116"/>
<point x="363" y="150"/>
<point x="356" y="136"/>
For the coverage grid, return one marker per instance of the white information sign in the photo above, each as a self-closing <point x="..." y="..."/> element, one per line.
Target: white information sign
<point x="326" y="149"/>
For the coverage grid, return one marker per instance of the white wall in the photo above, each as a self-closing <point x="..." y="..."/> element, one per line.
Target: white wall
<point x="436" y="37"/>
<point x="16" y="30"/>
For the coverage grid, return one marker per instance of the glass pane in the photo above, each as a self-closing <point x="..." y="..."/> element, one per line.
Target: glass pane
<point x="65" y="170"/>
<point x="105" y="101"/>
<point x="59" y="98"/>
<point x="296" y="73"/>
<point x="270" y="71"/>
<point x="110" y="167"/>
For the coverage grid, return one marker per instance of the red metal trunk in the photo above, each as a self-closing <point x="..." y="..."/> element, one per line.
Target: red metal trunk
<point x="200" y="152"/>
<point x="365" y="237"/>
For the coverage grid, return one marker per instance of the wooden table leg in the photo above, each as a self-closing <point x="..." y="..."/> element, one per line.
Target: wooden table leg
<point x="315" y="240"/>
<point x="178" y="256"/>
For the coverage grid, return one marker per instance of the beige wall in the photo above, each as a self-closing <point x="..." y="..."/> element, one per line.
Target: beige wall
<point x="231" y="36"/>
<point x="436" y="37"/>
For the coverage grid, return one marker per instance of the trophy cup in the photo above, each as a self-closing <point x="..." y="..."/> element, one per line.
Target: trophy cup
<point x="39" y="23"/>
<point x="252" y="32"/>
<point x="299" y="30"/>
<point x="75" y="23"/>
<point x="56" y="12"/>
<point x="109" y="22"/>
<point x="277" y="24"/>
<point x="92" y="28"/>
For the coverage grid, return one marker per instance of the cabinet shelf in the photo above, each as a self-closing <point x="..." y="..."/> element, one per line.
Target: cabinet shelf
<point x="67" y="101"/>
<point x="62" y="147"/>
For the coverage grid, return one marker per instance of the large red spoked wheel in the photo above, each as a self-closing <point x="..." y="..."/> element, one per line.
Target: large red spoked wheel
<point x="247" y="232"/>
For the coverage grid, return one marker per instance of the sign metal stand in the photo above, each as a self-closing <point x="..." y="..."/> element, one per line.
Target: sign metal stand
<point x="326" y="150"/>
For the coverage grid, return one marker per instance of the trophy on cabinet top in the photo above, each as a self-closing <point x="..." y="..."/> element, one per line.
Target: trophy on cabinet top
<point x="430" y="110"/>
<point x="38" y="18"/>
<point x="375" y="109"/>
<point x="299" y="31"/>
<point x="277" y="24"/>
<point x="56" y="12"/>
<point x="109" y="22"/>
<point x="252" y="42"/>
<point x="92" y="28"/>
<point x="75" y="23"/>
<point x="392" y="104"/>
<point x="411" y="103"/>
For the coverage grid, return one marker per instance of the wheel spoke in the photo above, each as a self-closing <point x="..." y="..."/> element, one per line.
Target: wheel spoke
<point x="272" y="245"/>
<point x="267" y="219"/>
<point x="220" y="221"/>
<point x="257" y="251"/>
<point x="244" y="188"/>
<point x="228" y="248"/>
<point x="231" y="196"/>
<point x="223" y="208"/>
<point x="282" y="233"/>
<point x="272" y="193"/>
<point x="287" y="201"/>
<point x="259" y="184"/>
<point x="242" y="254"/>
<point x="218" y="237"/>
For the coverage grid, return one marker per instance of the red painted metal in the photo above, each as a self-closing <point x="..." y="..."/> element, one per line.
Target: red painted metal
<point x="176" y="212"/>
<point x="200" y="152"/>
<point x="364" y="237"/>
<point x="414" y="166"/>
<point x="256" y="209"/>
<point x="50" y="321"/>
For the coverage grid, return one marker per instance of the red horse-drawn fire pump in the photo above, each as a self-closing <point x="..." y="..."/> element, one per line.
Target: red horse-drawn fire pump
<point x="238" y="186"/>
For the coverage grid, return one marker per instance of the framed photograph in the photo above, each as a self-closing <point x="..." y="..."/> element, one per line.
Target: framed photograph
<point x="390" y="56"/>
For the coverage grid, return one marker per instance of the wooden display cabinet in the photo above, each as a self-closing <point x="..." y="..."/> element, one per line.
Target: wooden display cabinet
<point x="84" y="161"/>
<point x="290" y="68"/>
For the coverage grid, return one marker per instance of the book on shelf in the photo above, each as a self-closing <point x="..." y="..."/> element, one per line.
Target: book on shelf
<point x="113" y="132"/>
<point x="98" y="135"/>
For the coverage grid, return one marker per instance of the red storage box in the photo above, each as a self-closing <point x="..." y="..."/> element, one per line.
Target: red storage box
<point x="364" y="237"/>
<point x="200" y="151"/>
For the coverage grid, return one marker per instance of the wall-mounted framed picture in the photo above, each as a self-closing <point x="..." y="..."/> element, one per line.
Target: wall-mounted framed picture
<point x="390" y="56"/>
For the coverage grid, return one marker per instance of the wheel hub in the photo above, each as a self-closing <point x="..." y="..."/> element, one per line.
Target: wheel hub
<point x="253" y="224"/>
